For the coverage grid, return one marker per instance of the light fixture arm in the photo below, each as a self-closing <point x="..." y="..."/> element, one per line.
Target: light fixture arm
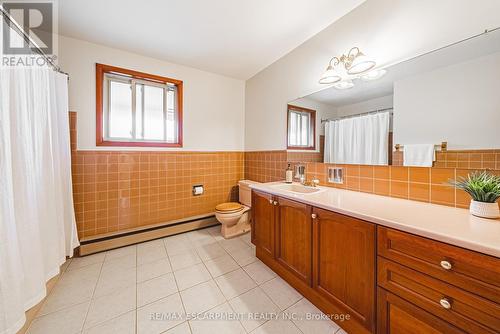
<point x="354" y="62"/>
<point x="351" y="54"/>
<point x="335" y="61"/>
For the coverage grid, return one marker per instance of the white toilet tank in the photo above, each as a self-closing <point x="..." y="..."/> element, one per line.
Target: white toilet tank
<point x="245" y="192"/>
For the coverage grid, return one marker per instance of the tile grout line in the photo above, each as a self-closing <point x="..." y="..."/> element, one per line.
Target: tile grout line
<point x="177" y="286"/>
<point x="92" y="298"/>
<point x="93" y="293"/>
<point x="136" y="291"/>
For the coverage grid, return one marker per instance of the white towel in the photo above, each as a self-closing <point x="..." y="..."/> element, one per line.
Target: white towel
<point x="419" y="155"/>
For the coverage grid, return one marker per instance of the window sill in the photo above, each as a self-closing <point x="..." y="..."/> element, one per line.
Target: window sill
<point x="301" y="148"/>
<point x="136" y="144"/>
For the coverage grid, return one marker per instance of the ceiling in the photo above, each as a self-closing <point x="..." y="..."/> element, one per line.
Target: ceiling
<point x="457" y="53"/>
<point x="236" y="38"/>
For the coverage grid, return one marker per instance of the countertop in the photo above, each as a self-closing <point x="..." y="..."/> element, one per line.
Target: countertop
<point x="447" y="224"/>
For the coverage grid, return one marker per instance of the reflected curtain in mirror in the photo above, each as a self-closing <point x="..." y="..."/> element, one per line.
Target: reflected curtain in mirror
<point x="358" y="140"/>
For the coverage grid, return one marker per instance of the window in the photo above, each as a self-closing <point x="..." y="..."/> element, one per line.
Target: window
<point x="137" y="109"/>
<point x="301" y="128"/>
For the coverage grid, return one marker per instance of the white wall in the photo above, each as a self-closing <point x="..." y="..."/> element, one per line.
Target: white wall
<point x="322" y="111"/>
<point x="387" y="30"/>
<point x="459" y="104"/>
<point x="213" y="109"/>
<point x="366" y="106"/>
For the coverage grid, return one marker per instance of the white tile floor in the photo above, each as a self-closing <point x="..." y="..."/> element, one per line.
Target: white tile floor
<point x="153" y="287"/>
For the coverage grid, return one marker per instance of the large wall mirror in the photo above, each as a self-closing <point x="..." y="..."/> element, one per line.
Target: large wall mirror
<point x="447" y="100"/>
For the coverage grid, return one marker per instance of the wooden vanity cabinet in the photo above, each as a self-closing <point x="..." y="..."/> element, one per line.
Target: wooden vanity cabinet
<point x="426" y="286"/>
<point x="282" y="229"/>
<point x="386" y="280"/>
<point x="344" y="263"/>
<point x="328" y="257"/>
<point x="294" y="237"/>
<point x="398" y="316"/>
<point x="263" y="222"/>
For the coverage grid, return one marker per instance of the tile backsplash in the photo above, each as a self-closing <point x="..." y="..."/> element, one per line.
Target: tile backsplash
<point x="464" y="159"/>
<point x="470" y="159"/>
<point x="265" y="166"/>
<point x="414" y="183"/>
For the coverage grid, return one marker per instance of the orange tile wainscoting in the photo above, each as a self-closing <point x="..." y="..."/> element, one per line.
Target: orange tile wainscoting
<point x="115" y="191"/>
<point x="119" y="190"/>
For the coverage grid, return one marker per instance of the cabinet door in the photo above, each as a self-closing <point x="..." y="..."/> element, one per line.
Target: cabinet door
<point x="397" y="316"/>
<point x="263" y="227"/>
<point x="344" y="264"/>
<point x="294" y="237"/>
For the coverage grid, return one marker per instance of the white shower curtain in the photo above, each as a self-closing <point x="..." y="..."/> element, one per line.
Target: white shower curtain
<point x="37" y="221"/>
<point x="358" y="140"/>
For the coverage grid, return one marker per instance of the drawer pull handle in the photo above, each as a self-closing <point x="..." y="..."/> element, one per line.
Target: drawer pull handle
<point x="445" y="265"/>
<point x="270" y="201"/>
<point x="445" y="303"/>
<point x="275" y="203"/>
<point x="314" y="216"/>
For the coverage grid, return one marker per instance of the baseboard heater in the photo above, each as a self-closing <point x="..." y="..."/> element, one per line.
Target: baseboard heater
<point x="146" y="233"/>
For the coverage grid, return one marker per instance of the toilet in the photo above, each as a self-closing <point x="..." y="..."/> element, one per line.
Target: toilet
<point x="234" y="216"/>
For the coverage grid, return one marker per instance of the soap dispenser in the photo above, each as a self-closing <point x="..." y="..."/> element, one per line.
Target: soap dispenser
<point x="289" y="174"/>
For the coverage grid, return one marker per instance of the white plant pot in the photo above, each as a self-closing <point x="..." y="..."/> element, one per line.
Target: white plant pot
<point x="484" y="210"/>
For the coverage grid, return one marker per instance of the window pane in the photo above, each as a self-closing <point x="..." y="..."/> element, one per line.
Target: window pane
<point x="153" y="113"/>
<point x="171" y="117"/>
<point x="120" y="110"/>
<point x="304" y="134"/>
<point x="299" y="129"/>
<point x="293" y="128"/>
<point x="139" y="131"/>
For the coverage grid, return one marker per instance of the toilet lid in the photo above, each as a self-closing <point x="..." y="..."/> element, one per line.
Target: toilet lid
<point x="229" y="207"/>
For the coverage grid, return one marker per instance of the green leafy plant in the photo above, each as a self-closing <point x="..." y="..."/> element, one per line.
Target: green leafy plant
<point x="480" y="185"/>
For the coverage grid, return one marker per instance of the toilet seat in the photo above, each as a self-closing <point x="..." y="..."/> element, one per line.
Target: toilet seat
<point x="229" y="207"/>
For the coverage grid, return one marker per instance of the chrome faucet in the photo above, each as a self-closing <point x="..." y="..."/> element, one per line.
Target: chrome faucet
<point x="313" y="183"/>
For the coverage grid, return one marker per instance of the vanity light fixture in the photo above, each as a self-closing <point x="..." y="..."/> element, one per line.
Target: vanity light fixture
<point x="357" y="62"/>
<point x="344" y="84"/>
<point x="373" y="75"/>
<point x="330" y="76"/>
<point x="353" y="64"/>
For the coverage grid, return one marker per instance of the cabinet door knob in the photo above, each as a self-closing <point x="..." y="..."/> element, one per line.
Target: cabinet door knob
<point x="314" y="216"/>
<point x="445" y="303"/>
<point x="445" y="265"/>
<point x="270" y="201"/>
<point x="275" y="203"/>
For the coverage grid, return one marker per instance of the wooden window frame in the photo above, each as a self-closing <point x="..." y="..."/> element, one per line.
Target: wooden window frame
<point x="101" y="70"/>
<point x="313" y="121"/>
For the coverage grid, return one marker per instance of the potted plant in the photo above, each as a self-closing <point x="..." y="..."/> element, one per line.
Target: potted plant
<point x="484" y="188"/>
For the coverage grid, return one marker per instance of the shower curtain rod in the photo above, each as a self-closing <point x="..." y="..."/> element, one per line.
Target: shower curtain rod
<point x="357" y="115"/>
<point x="11" y="23"/>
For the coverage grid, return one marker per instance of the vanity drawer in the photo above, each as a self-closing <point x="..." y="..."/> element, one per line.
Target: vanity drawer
<point x="475" y="272"/>
<point x="463" y="309"/>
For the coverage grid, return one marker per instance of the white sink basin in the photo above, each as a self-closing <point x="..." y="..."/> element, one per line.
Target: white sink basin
<point x="297" y="188"/>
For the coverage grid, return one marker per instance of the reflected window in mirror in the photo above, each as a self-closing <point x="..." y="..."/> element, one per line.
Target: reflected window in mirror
<point x="301" y="128"/>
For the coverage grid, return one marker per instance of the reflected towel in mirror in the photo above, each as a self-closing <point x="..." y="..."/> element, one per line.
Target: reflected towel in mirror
<point x="419" y="155"/>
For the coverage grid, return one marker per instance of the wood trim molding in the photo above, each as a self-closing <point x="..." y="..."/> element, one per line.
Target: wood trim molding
<point x="101" y="69"/>
<point x="313" y="121"/>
